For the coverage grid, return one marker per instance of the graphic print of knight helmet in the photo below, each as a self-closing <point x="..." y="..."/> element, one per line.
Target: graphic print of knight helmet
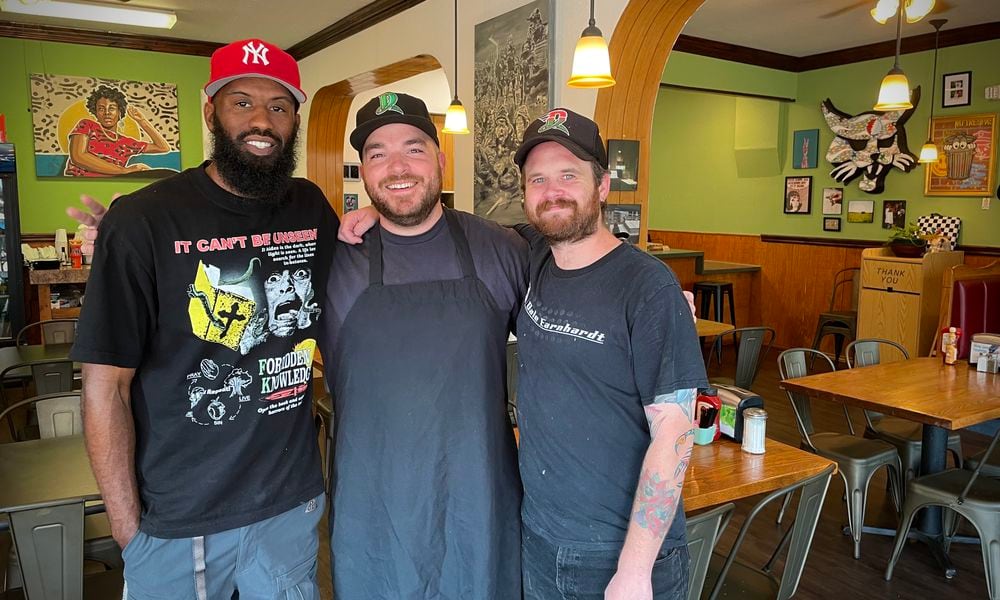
<point x="869" y="144"/>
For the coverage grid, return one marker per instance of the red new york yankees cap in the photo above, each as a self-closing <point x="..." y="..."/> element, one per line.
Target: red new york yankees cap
<point x="575" y="132"/>
<point x="254" y="58"/>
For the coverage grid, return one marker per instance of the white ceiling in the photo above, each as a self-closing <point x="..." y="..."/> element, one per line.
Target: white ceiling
<point x="793" y="27"/>
<point x="283" y="23"/>
<point x="797" y="27"/>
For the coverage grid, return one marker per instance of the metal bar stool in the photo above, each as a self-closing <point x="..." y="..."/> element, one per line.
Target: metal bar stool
<point x="712" y="296"/>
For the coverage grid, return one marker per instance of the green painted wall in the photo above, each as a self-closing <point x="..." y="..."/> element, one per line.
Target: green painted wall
<point x="43" y="201"/>
<point x="695" y="184"/>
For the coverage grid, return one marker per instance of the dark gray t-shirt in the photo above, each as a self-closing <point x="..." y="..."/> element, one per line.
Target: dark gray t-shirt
<point x="596" y="345"/>
<point x="499" y="253"/>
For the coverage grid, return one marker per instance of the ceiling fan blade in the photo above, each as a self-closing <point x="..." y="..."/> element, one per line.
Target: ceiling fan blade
<point x="845" y="9"/>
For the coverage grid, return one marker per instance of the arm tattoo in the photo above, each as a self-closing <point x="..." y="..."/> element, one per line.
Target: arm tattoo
<point x="682" y="398"/>
<point x="655" y="503"/>
<point x="685" y="459"/>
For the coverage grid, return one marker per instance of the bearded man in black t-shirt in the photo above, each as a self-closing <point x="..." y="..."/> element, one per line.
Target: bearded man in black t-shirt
<point x="610" y="364"/>
<point x="197" y="338"/>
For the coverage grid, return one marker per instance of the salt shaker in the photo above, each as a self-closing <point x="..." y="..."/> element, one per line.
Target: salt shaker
<point x="754" y="424"/>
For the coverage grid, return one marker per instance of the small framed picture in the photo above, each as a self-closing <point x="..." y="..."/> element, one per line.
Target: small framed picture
<point x="833" y="201"/>
<point x="831" y="223"/>
<point x="350" y="202"/>
<point x="894" y="214"/>
<point x="861" y="211"/>
<point x="798" y="195"/>
<point x="623" y="164"/>
<point x="352" y="171"/>
<point x="956" y="89"/>
<point x="805" y="149"/>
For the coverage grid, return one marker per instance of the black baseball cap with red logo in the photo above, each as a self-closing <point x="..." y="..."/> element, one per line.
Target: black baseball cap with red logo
<point x="575" y="132"/>
<point x="254" y="58"/>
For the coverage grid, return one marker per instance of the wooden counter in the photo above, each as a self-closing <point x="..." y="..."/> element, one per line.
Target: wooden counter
<point x="44" y="279"/>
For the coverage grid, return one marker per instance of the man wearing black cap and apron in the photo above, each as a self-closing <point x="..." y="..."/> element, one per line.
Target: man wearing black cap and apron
<point x="426" y="496"/>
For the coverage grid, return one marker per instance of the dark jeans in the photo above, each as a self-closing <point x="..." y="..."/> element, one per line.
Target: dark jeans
<point x="553" y="571"/>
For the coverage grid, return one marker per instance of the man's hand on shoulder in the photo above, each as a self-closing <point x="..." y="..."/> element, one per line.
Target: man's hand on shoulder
<point x="355" y="223"/>
<point x="91" y="218"/>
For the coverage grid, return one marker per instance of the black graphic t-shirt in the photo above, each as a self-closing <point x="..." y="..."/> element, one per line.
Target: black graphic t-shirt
<point x="215" y="301"/>
<point x="595" y="345"/>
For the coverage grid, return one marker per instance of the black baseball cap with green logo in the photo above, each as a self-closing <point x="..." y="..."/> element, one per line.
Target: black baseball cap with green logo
<point x="388" y="108"/>
<point x="575" y="132"/>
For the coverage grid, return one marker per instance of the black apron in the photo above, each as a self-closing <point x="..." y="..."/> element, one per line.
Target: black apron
<point x="427" y="495"/>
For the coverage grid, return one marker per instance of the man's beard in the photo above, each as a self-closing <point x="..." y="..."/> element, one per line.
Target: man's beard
<point x="265" y="179"/>
<point x="417" y="214"/>
<point x="581" y="223"/>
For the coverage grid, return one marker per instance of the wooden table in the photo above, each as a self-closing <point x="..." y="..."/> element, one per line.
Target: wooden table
<point x="924" y="390"/>
<point x="706" y="328"/>
<point x="721" y="472"/>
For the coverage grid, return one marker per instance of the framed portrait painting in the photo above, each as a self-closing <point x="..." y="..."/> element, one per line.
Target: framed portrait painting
<point x="966" y="156"/>
<point x="96" y="128"/>
<point x="798" y="195"/>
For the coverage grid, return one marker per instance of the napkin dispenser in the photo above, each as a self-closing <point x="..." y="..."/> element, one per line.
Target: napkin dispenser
<point x="984" y="343"/>
<point x="734" y="401"/>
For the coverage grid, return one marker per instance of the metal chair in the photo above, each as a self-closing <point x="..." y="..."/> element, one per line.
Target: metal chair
<point x="991" y="467"/>
<point x="53" y="331"/>
<point x="905" y="435"/>
<point x="703" y="531"/>
<point x="732" y="578"/>
<point x="967" y="494"/>
<point x="49" y="376"/>
<point x="842" y="324"/>
<point x="857" y="458"/>
<point x="58" y="414"/>
<point x="49" y="539"/>
<point x="748" y="342"/>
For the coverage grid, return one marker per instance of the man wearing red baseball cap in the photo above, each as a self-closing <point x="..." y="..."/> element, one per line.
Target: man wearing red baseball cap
<point x="197" y="339"/>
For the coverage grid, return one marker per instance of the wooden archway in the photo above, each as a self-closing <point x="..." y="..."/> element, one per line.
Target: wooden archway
<point x="328" y="115"/>
<point x="639" y="47"/>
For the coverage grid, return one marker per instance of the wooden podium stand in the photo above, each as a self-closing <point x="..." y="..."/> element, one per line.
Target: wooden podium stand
<point x="900" y="298"/>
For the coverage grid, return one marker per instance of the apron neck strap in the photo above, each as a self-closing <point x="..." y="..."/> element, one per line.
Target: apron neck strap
<point x="374" y="241"/>
<point x="461" y="244"/>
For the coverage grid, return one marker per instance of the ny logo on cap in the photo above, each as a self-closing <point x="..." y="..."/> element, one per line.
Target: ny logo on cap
<point x="259" y="53"/>
<point x="387" y="102"/>
<point x="556" y="119"/>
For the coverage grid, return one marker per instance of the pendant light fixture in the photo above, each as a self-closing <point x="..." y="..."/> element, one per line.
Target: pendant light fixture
<point x="894" y="93"/>
<point x="929" y="151"/>
<point x="455" y="120"/>
<point x="591" y="62"/>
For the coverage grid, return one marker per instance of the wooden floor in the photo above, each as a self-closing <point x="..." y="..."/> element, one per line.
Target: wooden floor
<point x="830" y="572"/>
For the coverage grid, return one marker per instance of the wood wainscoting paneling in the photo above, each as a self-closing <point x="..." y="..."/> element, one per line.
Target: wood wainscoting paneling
<point x="794" y="284"/>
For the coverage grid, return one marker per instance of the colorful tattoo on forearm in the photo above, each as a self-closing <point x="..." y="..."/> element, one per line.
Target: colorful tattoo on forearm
<point x="655" y="503"/>
<point x="679" y="446"/>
